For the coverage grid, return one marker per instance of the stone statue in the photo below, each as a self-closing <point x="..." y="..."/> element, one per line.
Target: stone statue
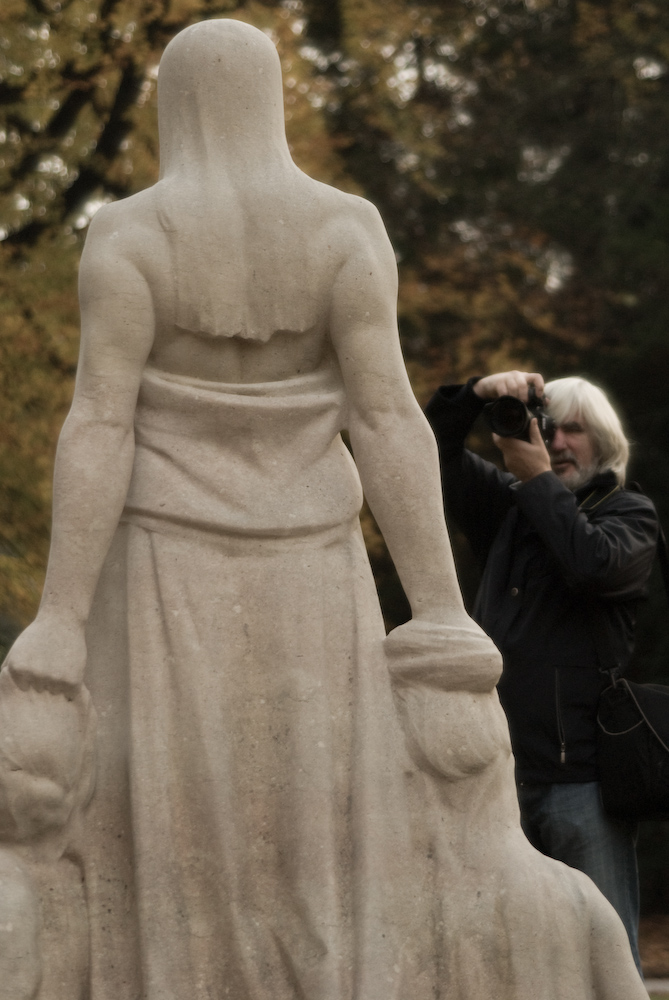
<point x="258" y="829"/>
<point x="515" y="924"/>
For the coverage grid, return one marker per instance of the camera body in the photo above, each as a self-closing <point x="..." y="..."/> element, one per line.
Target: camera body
<point x="510" y="417"/>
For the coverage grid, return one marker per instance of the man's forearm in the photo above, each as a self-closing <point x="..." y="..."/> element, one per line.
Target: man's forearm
<point x="476" y="491"/>
<point x="451" y="413"/>
<point x="93" y="468"/>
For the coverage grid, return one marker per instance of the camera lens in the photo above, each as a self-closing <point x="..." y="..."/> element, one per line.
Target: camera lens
<point x="507" y="416"/>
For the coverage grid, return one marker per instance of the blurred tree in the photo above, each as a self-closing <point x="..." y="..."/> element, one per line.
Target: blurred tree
<point x="516" y="151"/>
<point x="78" y="128"/>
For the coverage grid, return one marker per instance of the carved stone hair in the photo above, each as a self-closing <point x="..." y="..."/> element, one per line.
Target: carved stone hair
<point x="575" y="398"/>
<point x="238" y="213"/>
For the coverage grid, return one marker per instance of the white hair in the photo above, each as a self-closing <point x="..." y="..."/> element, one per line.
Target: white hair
<point x="577" y="399"/>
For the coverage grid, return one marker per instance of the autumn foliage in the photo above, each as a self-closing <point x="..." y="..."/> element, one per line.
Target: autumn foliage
<point x="516" y="150"/>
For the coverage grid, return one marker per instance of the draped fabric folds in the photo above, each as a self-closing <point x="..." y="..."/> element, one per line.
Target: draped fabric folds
<point x="250" y="825"/>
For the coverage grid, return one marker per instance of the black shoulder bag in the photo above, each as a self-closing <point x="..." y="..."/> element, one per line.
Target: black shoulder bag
<point x="632" y="731"/>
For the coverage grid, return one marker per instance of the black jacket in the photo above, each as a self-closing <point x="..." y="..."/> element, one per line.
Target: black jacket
<point x="549" y="569"/>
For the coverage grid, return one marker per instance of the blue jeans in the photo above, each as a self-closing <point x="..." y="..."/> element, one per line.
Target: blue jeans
<point x="568" y="822"/>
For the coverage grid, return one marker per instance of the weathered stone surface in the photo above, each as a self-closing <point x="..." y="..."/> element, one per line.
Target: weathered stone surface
<point x="514" y="923"/>
<point x="259" y="829"/>
<point x="47" y="775"/>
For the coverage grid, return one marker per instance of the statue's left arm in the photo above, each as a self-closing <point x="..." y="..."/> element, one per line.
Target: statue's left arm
<point x="393" y="445"/>
<point x="94" y="458"/>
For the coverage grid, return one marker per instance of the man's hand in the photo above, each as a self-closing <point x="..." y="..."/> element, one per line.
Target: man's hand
<point x="525" y="459"/>
<point x="509" y="384"/>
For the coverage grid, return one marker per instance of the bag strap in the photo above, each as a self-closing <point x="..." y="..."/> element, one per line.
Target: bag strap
<point x="601" y="625"/>
<point x="609" y="663"/>
<point x="628" y="687"/>
<point x="662" y="552"/>
<point x="598" y="496"/>
<point x="663" y="558"/>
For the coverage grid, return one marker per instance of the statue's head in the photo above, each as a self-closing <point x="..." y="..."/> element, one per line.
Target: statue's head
<point x="219" y="90"/>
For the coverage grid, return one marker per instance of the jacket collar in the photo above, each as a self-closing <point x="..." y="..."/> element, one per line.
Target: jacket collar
<point x="603" y="480"/>
<point x="600" y="488"/>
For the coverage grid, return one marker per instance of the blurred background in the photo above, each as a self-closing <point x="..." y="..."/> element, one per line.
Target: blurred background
<point x="516" y="149"/>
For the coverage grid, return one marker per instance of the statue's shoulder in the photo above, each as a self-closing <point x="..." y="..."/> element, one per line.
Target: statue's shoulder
<point x="124" y="226"/>
<point x="352" y="217"/>
<point x="142" y="201"/>
<point x="345" y="204"/>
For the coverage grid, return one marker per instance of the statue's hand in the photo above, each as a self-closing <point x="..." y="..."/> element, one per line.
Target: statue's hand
<point x="50" y="655"/>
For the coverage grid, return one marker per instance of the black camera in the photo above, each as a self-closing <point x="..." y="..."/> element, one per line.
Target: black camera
<point x="510" y="417"/>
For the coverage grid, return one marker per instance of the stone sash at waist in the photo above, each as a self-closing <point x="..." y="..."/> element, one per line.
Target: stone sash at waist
<point x="258" y="459"/>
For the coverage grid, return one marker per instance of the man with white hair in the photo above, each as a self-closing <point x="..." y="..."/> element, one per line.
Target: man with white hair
<point x="565" y="551"/>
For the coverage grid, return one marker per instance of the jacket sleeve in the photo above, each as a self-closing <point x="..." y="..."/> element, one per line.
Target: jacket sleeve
<point x="477" y="494"/>
<point x="610" y="554"/>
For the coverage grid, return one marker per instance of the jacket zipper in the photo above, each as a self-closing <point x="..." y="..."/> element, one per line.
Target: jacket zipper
<point x="558" y="713"/>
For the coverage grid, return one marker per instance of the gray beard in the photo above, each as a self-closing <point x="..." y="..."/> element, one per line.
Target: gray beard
<point x="578" y="477"/>
<point x="582" y="477"/>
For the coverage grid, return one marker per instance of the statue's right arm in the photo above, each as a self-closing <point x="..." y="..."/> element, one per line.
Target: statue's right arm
<point x="393" y="445"/>
<point x="94" y="458"/>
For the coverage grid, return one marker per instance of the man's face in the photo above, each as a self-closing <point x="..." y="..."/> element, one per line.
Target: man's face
<point x="572" y="454"/>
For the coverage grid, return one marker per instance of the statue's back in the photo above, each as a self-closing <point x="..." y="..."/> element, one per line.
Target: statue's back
<point x="254" y="243"/>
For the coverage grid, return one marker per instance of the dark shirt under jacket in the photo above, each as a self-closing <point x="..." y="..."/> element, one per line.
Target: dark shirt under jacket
<point x="546" y="567"/>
